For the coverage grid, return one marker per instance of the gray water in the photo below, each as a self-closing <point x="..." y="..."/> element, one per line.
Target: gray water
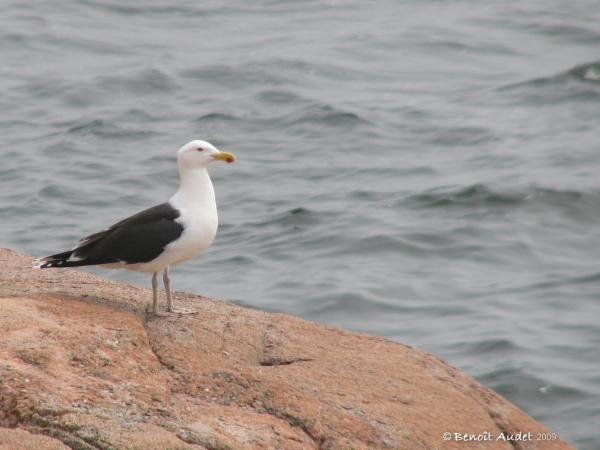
<point x="421" y="170"/>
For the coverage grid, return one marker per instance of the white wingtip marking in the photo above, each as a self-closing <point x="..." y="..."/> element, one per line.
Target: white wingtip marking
<point x="37" y="263"/>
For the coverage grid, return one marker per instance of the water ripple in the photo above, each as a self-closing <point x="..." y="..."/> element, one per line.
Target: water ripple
<point x="581" y="84"/>
<point x="145" y="82"/>
<point x="482" y="196"/>
<point x="107" y="130"/>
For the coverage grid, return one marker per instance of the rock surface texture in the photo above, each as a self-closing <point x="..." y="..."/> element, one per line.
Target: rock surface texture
<point x="83" y="366"/>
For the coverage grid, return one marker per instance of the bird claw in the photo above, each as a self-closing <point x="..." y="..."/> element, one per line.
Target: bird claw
<point x="161" y="314"/>
<point x="173" y="312"/>
<point x="181" y="311"/>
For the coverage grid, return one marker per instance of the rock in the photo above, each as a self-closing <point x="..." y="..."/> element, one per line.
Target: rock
<point x="83" y="366"/>
<point x="16" y="439"/>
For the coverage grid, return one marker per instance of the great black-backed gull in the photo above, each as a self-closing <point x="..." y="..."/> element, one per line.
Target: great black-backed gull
<point x="161" y="236"/>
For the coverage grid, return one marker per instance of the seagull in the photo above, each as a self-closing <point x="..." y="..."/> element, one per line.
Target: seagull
<point x="157" y="238"/>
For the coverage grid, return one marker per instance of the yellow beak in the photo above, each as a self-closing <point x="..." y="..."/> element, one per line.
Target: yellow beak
<point x="224" y="156"/>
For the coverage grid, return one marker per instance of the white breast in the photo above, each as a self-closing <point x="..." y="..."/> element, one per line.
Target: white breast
<point x="199" y="230"/>
<point x="195" y="201"/>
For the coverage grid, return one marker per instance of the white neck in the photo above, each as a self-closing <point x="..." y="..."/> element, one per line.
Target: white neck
<point x="195" y="190"/>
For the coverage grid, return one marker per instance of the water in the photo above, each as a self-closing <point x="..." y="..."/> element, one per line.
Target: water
<point x="425" y="171"/>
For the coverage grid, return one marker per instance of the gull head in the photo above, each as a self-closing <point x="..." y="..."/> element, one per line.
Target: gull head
<point x="199" y="154"/>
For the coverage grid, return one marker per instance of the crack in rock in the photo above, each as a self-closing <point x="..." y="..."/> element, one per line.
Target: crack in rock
<point x="275" y="361"/>
<point x="154" y="351"/>
<point x="504" y="429"/>
<point x="297" y="422"/>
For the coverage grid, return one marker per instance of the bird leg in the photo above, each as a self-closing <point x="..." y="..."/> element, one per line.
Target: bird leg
<point x="154" y="293"/>
<point x="170" y="307"/>
<point x="155" y="309"/>
<point x="167" y="284"/>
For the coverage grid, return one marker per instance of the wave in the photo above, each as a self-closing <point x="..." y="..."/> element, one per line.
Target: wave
<point x="580" y="83"/>
<point x="278" y="97"/>
<point x="46" y="88"/>
<point x="459" y="136"/>
<point x="545" y="286"/>
<point x="567" y="32"/>
<point x="300" y="70"/>
<point x="480" y="195"/>
<point x="315" y="114"/>
<point x="147" y="8"/>
<point x="72" y="93"/>
<point x="218" y="117"/>
<point x="137" y="115"/>
<point x="105" y="129"/>
<point x="586" y="72"/>
<point x="145" y="82"/>
<point x="296" y="217"/>
<point x="270" y="73"/>
<point x="378" y="245"/>
<point x="474" y="195"/>
<point x="231" y="76"/>
<point x="324" y="115"/>
<point x="468" y="45"/>
<point x="518" y="384"/>
<point x="488" y="346"/>
<point x="350" y="303"/>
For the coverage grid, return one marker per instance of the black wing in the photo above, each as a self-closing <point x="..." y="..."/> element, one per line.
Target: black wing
<point x="139" y="238"/>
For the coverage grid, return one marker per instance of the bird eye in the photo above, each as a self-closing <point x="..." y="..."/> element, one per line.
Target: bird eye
<point x="200" y="149"/>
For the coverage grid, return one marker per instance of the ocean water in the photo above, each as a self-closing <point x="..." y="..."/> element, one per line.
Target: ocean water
<point x="421" y="170"/>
